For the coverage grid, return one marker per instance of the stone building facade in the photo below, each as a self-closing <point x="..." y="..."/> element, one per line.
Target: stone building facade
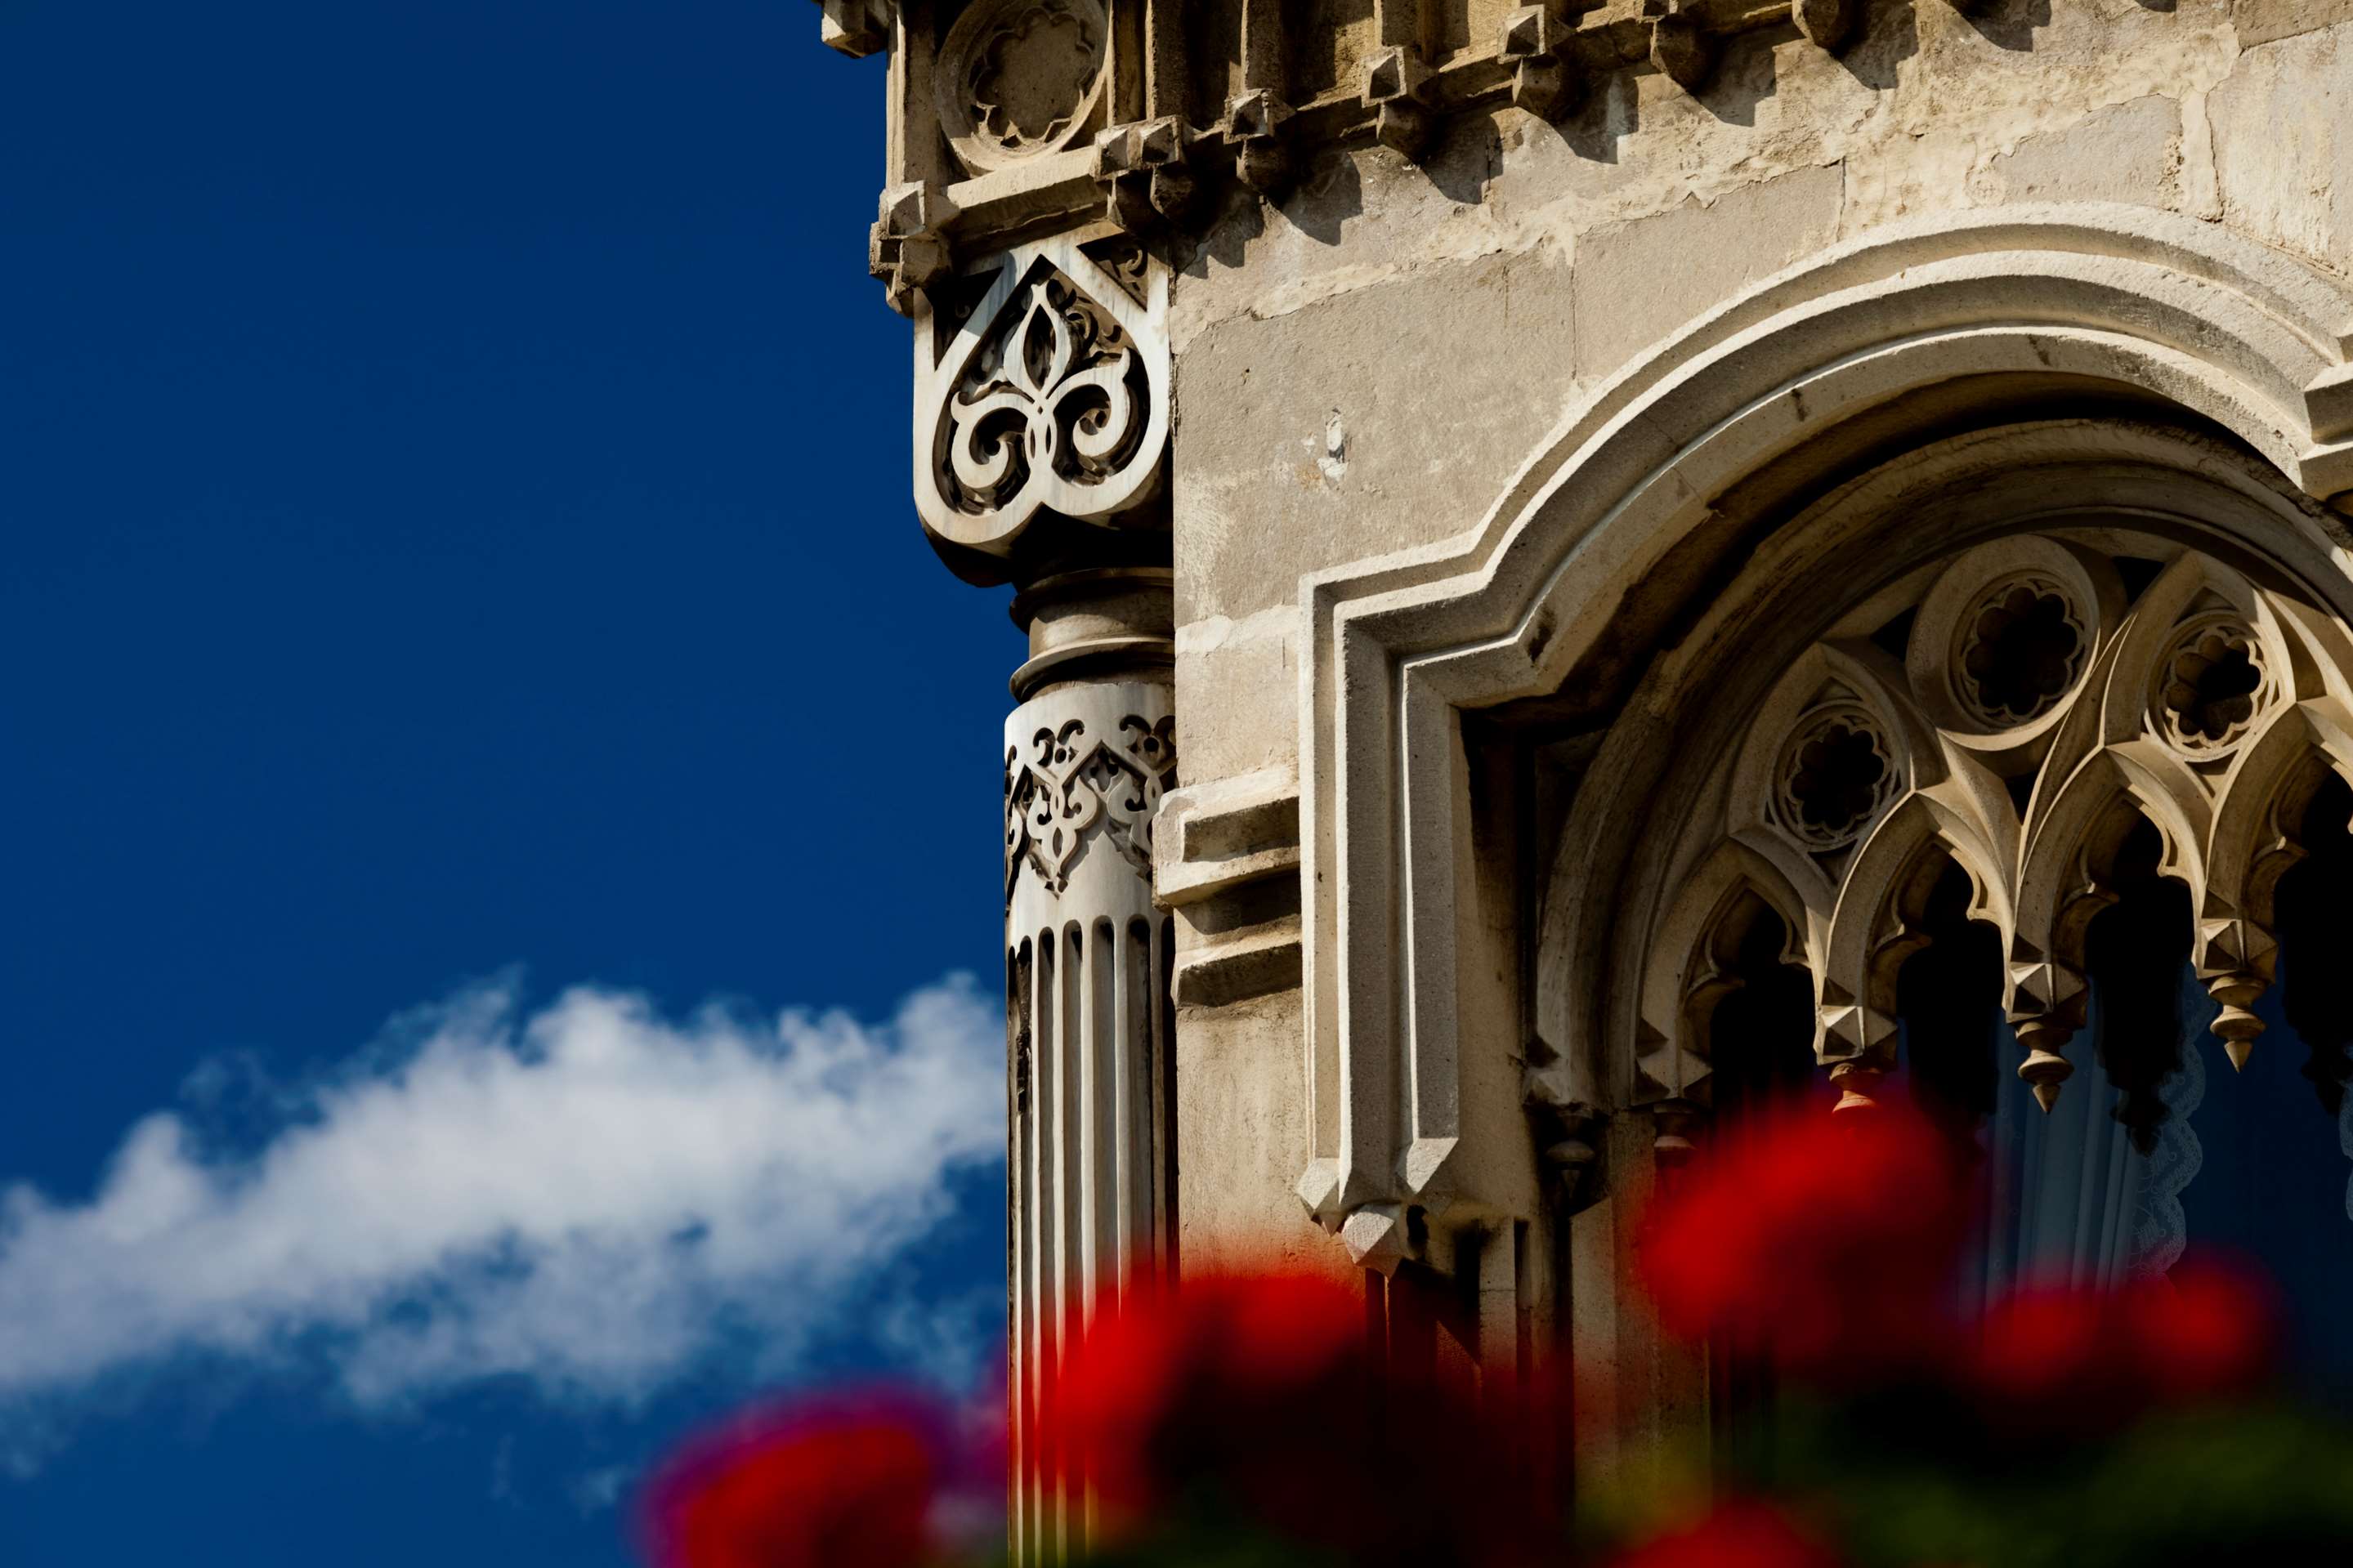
<point x="1542" y="527"/>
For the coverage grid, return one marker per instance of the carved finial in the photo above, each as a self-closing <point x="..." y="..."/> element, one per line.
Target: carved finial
<point x="1573" y="1157"/>
<point x="2046" y="1008"/>
<point x="1672" y="1146"/>
<point x="1857" y="1083"/>
<point x="1680" y="47"/>
<point x="2236" y="960"/>
<point x="1545" y="82"/>
<point x="1396" y="85"/>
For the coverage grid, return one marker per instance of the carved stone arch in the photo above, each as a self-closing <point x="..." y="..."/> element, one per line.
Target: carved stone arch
<point x="2258" y="824"/>
<point x="1689" y="962"/>
<point x="2177" y="347"/>
<point x="1830" y="684"/>
<point x="1876" y="925"/>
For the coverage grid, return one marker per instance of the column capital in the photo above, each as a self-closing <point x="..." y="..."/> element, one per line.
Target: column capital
<point x="1041" y="412"/>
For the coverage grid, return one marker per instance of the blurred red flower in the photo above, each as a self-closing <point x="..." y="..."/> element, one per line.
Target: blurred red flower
<point x="1738" y="1533"/>
<point x="2072" y="1362"/>
<point x="843" y="1482"/>
<point x="1257" y="1400"/>
<point x="1239" y="1382"/>
<point x="1830" y="1242"/>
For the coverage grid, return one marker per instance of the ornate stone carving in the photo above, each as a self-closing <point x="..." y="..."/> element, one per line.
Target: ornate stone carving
<point x="1051" y="396"/>
<point x="1837" y="773"/>
<point x="2008" y="743"/>
<point x="2235" y="961"/>
<point x="1017" y="78"/>
<point x="1072" y="788"/>
<point x="1091" y="1158"/>
<point x="2026" y="646"/>
<point x="2207" y="694"/>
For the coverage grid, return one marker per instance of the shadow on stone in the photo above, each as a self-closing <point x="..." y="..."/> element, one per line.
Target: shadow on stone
<point x="2012" y="24"/>
<point x="1888" y="39"/>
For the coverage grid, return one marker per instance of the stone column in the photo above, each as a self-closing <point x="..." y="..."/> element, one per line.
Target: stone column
<point x="1041" y="432"/>
<point x="1089" y="1025"/>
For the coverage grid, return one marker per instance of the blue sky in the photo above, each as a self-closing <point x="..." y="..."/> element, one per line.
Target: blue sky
<point x="471" y="664"/>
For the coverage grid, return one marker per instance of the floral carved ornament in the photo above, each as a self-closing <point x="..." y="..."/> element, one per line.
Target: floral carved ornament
<point x="1051" y="396"/>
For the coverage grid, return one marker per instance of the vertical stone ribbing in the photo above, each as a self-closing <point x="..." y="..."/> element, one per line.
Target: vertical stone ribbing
<point x="1088" y="1025"/>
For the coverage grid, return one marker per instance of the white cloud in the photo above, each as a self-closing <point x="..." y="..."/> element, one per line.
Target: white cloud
<point x="592" y="1197"/>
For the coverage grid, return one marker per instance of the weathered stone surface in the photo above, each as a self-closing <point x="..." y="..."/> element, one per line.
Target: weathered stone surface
<point x="1240" y="1120"/>
<point x="1326" y="434"/>
<point x="2131" y="152"/>
<point x="2262" y="21"/>
<point x="2283" y="148"/>
<point x="1248" y="671"/>
<point x="1635" y="282"/>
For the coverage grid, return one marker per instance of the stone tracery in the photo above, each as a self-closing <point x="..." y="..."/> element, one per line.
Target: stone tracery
<point x="2025" y="736"/>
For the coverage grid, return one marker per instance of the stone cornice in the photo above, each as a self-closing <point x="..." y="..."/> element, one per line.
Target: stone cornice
<point x="1143" y="139"/>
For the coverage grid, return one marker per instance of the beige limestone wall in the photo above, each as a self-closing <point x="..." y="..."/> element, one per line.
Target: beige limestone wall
<point x="1361" y="369"/>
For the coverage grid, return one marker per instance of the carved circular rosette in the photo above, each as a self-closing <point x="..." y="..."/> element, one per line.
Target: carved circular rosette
<point x="2021" y="649"/>
<point x="2212" y="687"/>
<point x="2005" y="637"/>
<point x="1018" y="79"/>
<point x="1836" y="775"/>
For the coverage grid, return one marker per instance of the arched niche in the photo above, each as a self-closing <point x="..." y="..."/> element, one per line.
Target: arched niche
<point x="1709" y="536"/>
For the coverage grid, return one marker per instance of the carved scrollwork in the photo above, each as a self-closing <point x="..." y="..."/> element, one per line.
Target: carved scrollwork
<point x="1073" y="787"/>
<point x="1051" y="396"/>
<point x="1055" y="398"/>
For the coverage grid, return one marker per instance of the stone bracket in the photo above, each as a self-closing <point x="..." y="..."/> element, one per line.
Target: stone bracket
<point x="907" y="250"/>
<point x="1146" y="172"/>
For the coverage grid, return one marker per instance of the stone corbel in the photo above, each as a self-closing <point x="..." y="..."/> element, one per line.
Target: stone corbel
<point x="855" y="28"/>
<point x="1254" y="126"/>
<point x="1397" y="88"/>
<point x="1546" y="82"/>
<point x="1146" y="173"/>
<point x="907" y="250"/>
<point x="1827" y="24"/>
<point x="1682" y="49"/>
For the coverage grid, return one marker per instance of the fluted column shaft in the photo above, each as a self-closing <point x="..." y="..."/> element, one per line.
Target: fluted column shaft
<point x="1089" y="1028"/>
